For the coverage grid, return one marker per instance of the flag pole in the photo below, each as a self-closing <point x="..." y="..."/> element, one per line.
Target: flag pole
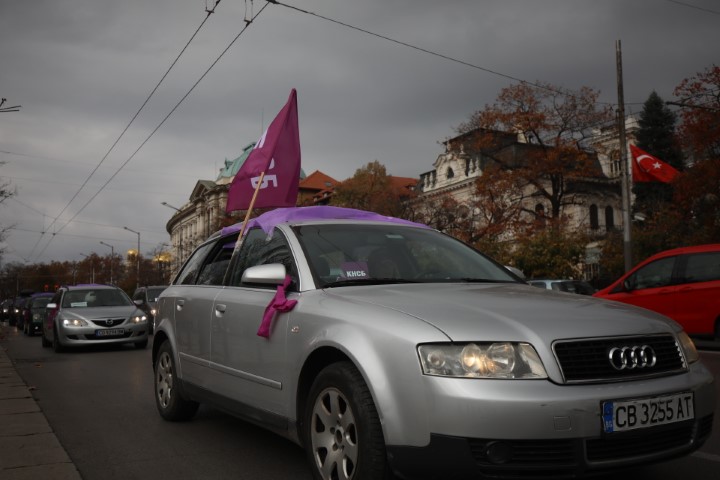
<point x="624" y="170"/>
<point x="249" y="210"/>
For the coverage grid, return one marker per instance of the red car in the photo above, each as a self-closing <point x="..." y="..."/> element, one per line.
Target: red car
<point x="683" y="284"/>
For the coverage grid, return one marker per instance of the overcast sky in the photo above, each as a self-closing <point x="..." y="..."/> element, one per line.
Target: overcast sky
<point x="81" y="69"/>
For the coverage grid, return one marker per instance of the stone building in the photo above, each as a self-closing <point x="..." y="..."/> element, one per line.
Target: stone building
<point x="204" y="212"/>
<point x="595" y="201"/>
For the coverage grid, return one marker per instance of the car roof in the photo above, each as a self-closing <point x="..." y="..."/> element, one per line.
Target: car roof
<point x="710" y="247"/>
<point x="85" y="286"/>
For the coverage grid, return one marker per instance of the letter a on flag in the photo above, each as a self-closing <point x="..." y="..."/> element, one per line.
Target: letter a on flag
<point x="277" y="155"/>
<point x="646" y="168"/>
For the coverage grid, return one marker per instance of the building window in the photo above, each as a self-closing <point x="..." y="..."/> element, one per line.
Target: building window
<point x="594" y="222"/>
<point x="609" y="218"/>
<point x="450" y="173"/>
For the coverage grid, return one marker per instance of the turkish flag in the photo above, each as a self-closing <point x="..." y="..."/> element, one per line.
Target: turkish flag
<point x="277" y="156"/>
<point x="646" y="168"/>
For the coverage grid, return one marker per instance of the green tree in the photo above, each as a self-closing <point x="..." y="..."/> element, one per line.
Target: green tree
<point x="656" y="136"/>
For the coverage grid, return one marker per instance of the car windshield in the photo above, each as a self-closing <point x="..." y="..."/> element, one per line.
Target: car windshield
<point x="95" y="298"/>
<point x="40" y="302"/>
<point x="154" y="293"/>
<point x="341" y="255"/>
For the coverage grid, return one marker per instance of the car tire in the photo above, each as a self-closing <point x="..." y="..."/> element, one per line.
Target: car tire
<point x="341" y="429"/>
<point x="56" y="341"/>
<point x="169" y="400"/>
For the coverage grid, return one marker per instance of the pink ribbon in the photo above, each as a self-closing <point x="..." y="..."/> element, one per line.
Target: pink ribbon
<point x="278" y="304"/>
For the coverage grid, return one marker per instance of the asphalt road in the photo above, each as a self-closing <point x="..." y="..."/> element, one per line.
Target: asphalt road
<point x="99" y="402"/>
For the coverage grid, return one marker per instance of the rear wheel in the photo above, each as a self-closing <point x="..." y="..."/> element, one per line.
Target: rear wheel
<point x="341" y="428"/>
<point x="170" y="403"/>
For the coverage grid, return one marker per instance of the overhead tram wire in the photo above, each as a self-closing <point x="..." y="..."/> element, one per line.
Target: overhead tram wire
<point x="424" y="50"/>
<point x="162" y="79"/>
<point x="212" y="65"/>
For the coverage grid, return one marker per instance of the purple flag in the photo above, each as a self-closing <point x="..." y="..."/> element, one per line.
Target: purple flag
<point x="277" y="153"/>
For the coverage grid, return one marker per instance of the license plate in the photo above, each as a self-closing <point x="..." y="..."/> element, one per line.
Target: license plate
<point x="110" y="332"/>
<point x="622" y="415"/>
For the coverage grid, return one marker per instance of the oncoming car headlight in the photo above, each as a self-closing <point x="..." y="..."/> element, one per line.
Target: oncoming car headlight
<point x="74" y="322"/>
<point x="482" y="360"/>
<point x="138" y="319"/>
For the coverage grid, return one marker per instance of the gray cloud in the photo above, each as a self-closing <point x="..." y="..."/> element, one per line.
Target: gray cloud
<point x="81" y="69"/>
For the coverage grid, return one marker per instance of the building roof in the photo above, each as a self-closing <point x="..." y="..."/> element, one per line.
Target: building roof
<point x="317" y="181"/>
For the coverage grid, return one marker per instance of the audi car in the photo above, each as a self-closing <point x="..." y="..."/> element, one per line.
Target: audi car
<point x="386" y="348"/>
<point x="82" y="315"/>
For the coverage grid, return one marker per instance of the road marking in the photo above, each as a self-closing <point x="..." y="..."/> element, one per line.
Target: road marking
<point x="707" y="456"/>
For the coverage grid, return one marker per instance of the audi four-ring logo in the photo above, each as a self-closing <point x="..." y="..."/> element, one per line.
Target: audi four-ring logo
<point x="629" y="358"/>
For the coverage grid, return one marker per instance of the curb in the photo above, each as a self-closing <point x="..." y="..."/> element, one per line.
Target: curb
<point x="29" y="448"/>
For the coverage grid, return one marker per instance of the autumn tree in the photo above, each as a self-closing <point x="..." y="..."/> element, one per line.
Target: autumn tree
<point x="551" y="127"/>
<point x="372" y="189"/>
<point x="656" y="136"/>
<point x="699" y="97"/>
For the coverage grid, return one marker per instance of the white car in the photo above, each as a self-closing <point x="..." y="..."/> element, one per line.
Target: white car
<point x="386" y="347"/>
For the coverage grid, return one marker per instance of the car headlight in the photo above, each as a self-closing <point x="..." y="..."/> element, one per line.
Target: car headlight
<point x="482" y="360"/>
<point x="138" y="319"/>
<point x="74" y="322"/>
<point x="36" y="316"/>
<point x="688" y="348"/>
<point x="153" y="311"/>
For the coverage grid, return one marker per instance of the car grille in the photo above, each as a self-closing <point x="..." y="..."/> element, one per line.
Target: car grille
<point x="587" y="360"/>
<point x="108" y="322"/>
<point x="567" y="458"/>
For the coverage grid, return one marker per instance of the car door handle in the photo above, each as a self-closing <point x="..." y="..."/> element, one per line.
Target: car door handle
<point x="220" y="309"/>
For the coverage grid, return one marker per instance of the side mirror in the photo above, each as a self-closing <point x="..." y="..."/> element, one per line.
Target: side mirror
<point x="138" y="302"/>
<point x="270" y="274"/>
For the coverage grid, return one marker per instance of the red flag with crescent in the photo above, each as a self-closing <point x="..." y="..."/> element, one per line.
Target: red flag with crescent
<point x="646" y="168"/>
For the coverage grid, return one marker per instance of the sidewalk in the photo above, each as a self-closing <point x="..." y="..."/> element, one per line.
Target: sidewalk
<point x="29" y="448"/>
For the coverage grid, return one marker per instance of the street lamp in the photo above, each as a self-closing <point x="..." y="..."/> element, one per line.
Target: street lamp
<point x="169" y="206"/>
<point x="137" y="257"/>
<point x="112" y="257"/>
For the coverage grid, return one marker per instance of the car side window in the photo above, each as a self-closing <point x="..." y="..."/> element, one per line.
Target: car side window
<point x="190" y="270"/>
<point x="213" y="270"/>
<point x="258" y="248"/>
<point x="702" y="267"/>
<point x="653" y="275"/>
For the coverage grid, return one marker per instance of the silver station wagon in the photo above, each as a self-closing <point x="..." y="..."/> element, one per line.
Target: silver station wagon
<point x="385" y="347"/>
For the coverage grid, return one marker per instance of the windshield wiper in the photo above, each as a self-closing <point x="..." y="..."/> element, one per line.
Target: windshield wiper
<point x="367" y="281"/>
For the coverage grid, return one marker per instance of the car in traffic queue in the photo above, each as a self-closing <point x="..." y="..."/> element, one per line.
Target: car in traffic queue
<point x="34" y="312"/>
<point x="681" y="283"/>
<point x="82" y="315"/>
<point x="146" y="299"/>
<point x="384" y="347"/>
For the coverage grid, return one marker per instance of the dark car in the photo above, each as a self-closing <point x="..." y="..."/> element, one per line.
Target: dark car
<point x="34" y="312"/>
<point x="146" y="299"/>
<point x="570" y="286"/>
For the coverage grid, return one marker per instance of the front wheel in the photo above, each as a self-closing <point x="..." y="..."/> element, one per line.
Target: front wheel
<point x="170" y="403"/>
<point x="341" y="429"/>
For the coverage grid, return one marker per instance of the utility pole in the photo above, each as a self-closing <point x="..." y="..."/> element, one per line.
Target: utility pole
<point x="625" y="175"/>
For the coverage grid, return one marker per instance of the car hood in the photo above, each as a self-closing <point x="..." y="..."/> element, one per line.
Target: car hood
<point x="508" y="312"/>
<point x="89" y="313"/>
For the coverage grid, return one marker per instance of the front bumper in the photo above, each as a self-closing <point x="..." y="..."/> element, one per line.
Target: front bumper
<point x="538" y="429"/>
<point x="77" y="336"/>
<point x="455" y="457"/>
